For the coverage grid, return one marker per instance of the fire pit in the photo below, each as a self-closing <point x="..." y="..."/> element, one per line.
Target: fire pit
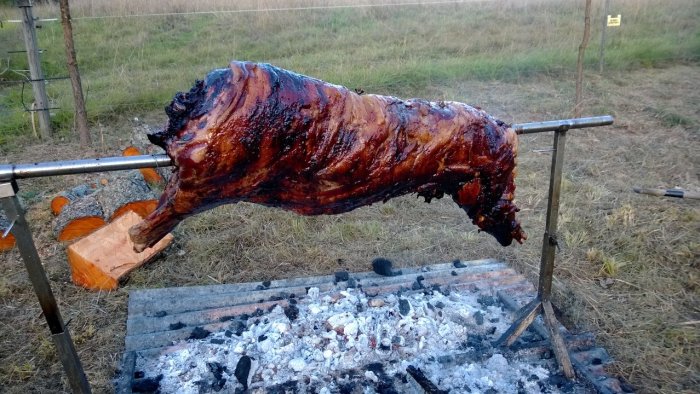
<point x="431" y="329"/>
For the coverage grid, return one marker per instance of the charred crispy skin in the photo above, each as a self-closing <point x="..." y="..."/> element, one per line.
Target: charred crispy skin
<point x="258" y="133"/>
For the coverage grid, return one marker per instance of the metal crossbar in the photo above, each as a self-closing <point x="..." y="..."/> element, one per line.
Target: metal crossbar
<point x="9" y="202"/>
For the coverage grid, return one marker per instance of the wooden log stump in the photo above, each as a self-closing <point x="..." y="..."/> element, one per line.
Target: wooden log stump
<point x="78" y="219"/>
<point x="7" y="242"/>
<point x="124" y="193"/>
<point x="99" y="260"/>
<point x="66" y="197"/>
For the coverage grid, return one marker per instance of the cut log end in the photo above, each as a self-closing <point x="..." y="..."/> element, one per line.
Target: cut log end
<point x="57" y="204"/>
<point x="79" y="218"/>
<point x="80" y="227"/>
<point x="6" y="243"/>
<point x="149" y="174"/>
<point x="62" y="200"/>
<point x="141" y="208"/>
<point x="131" y="151"/>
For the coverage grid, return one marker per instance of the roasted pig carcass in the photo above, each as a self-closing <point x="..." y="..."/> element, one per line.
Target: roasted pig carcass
<point x="254" y="132"/>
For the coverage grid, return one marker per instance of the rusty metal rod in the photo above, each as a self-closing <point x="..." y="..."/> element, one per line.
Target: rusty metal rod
<point x="9" y="172"/>
<point x="42" y="287"/>
<point x="678" y="193"/>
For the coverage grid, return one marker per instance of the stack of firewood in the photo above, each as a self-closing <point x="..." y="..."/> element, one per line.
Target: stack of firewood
<point x="85" y="208"/>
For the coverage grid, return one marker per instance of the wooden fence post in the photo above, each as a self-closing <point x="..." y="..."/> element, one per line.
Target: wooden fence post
<point x="579" y="62"/>
<point x="603" y="33"/>
<point x="35" y="72"/>
<point x="72" y="63"/>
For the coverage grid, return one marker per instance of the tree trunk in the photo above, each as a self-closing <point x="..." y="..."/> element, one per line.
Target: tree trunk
<point x="72" y="63"/>
<point x="579" y="63"/>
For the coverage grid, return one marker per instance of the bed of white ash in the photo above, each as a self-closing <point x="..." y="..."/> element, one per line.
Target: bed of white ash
<point x="346" y="342"/>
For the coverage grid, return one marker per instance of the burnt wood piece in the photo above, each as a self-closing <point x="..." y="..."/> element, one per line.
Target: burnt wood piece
<point x="257" y="133"/>
<point x="423" y="380"/>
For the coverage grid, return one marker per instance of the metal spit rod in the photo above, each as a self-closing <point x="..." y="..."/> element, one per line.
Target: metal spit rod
<point x="563" y="125"/>
<point x="9" y="172"/>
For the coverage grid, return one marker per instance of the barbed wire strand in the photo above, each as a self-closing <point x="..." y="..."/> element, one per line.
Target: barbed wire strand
<point x="285" y="9"/>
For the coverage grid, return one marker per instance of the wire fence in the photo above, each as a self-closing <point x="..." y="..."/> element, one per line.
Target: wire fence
<point x="135" y="59"/>
<point x="287" y="9"/>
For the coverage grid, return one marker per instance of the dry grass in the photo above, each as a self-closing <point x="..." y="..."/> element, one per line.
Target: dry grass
<point x="646" y="315"/>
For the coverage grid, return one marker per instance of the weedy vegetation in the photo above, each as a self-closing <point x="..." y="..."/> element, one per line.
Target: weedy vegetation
<point x="628" y="266"/>
<point x="133" y="63"/>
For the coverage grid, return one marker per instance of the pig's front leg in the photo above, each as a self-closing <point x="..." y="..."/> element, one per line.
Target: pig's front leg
<point x="174" y="205"/>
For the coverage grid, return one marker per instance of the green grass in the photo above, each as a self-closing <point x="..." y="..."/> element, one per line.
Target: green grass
<point x="132" y="65"/>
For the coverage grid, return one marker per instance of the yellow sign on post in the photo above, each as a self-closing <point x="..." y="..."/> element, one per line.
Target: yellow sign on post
<point x="614" y="21"/>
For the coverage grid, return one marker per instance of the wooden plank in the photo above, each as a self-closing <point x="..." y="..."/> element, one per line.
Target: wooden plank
<point x="152" y="312"/>
<point x="194" y="291"/>
<point x="147" y="295"/>
<point x="365" y="279"/>
<point x="100" y="259"/>
<point x="150" y="334"/>
<point x="140" y="324"/>
<point x="197" y="318"/>
<point x="486" y="278"/>
<point x="526" y="316"/>
<point x="177" y="304"/>
<point x="174" y="305"/>
<point x="558" y="344"/>
<point x="166" y="338"/>
<point x="124" y="379"/>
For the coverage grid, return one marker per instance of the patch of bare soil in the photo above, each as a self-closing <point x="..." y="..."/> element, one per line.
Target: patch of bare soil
<point x="628" y="268"/>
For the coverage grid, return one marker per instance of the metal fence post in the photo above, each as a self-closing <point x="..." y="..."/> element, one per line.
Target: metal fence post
<point x="64" y="344"/>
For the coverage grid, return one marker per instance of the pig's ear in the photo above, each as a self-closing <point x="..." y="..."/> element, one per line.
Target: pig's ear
<point x="158" y="138"/>
<point x="183" y="107"/>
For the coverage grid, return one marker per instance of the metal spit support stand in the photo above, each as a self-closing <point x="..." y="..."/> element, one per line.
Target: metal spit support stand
<point x="65" y="348"/>
<point x="542" y="304"/>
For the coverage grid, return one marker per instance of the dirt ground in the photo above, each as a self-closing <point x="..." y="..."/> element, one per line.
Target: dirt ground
<point x="627" y="270"/>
